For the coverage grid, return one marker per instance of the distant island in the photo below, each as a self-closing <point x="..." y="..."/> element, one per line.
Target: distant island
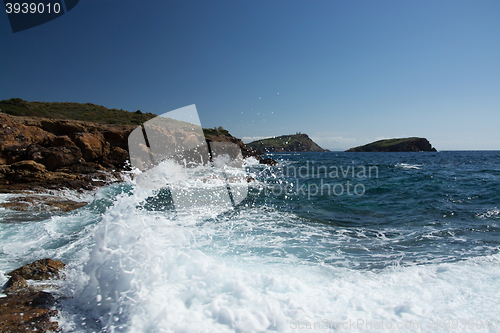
<point x="396" y="145"/>
<point x="286" y="143"/>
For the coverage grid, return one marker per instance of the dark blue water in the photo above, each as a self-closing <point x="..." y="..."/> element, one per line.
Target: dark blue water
<point x="405" y="207"/>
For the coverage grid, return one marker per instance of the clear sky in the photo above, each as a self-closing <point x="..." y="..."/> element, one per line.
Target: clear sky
<point x="344" y="72"/>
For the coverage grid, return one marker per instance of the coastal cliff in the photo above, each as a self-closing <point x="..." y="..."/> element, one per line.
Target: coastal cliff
<point x="286" y="143"/>
<point x="396" y="145"/>
<point x="58" y="152"/>
<point x="54" y="153"/>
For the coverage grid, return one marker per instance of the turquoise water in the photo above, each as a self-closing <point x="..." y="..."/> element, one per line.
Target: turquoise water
<point x="413" y="246"/>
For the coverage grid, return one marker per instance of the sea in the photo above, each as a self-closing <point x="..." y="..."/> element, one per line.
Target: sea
<point x="321" y="242"/>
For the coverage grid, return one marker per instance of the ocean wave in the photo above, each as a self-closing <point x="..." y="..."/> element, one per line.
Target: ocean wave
<point x="493" y="213"/>
<point x="409" y="166"/>
<point x="137" y="264"/>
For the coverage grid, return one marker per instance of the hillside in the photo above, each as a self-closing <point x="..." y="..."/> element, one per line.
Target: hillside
<point x="286" y="143"/>
<point x="92" y="113"/>
<point x="61" y="150"/>
<point x="396" y="145"/>
<point x="73" y="111"/>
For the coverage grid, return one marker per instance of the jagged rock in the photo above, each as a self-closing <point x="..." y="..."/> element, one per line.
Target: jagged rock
<point x="57" y="157"/>
<point x="117" y="156"/>
<point x="268" y="161"/>
<point x="15" y="284"/>
<point x="26" y="309"/>
<point x="61" y="127"/>
<point x="118" y="136"/>
<point x="4" y="169"/>
<point x="42" y="269"/>
<point x="23" y="170"/>
<point x="29" y="166"/>
<point x="15" y="139"/>
<point x="68" y="149"/>
<point x="42" y="203"/>
<point x="27" y="312"/>
<point x="73" y="152"/>
<point x="90" y="144"/>
<point x="84" y="168"/>
<point x="62" y="141"/>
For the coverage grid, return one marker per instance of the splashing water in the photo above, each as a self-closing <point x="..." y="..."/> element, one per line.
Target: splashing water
<point x="137" y="264"/>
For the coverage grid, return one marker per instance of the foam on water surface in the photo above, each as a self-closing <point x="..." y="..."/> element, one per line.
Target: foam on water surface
<point x="249" y="271"/>
<point x="135" y="264"/>
<point x="148" y="273"/>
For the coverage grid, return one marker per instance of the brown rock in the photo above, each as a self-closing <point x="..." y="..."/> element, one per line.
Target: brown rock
<point x="118" y="136"/>
<point x="16" y="137"/>
<point x="28" y="165"/>
<point x="50" y="143"/>
<point x="4" y="169"/>
<point x="42" y="269"/>
<point x="61" y="127"/>
<point x="24" y="171"/>
<point x="117" y="156"/>
<point x="42" y="203"/>
<point x="29" y="312"/>
<point x="62" y="141"/>
<point x="57" y="157"/>
<point x="85" y="168"/>
<point x="15" y="284"/>
<point x="91" y="145"/>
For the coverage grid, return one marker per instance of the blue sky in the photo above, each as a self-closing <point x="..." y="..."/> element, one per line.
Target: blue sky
<point x="344" y="72"/>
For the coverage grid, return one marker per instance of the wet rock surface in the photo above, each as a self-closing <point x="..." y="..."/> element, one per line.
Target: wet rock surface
<point x="268" y="161"/>
<point x="26" y="308"/>
<point x="42" y="269"/>
<point x="29" y="312"/>
<point x="29" y="203"/>
<point x="15" y="284"/>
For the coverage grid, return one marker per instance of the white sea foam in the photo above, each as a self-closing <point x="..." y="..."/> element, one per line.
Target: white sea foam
<point x="252" y="269"/>
<point x="145" y="279"/>
<point x="251" y="161"/>
<point x="152" y="272"/>
<point x="495" y="213"/>
<point x="409" y="166"/>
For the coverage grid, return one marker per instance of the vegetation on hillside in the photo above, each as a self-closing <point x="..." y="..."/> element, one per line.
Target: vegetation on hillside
<point x="395" y="145"/>
<point x="74" y="111"/>
<point x="216" y="131"/>
<point x="296" y="142"/>
<point x="88" y="112"/>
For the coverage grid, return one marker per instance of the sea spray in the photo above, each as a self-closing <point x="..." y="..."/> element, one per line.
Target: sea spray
<point x="420" y="247"/>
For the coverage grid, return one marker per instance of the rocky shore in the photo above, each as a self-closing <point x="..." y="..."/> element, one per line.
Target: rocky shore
<point x="43" y="153"/>
<point x="26" y="307"/>
<point x="39" y="154"/>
